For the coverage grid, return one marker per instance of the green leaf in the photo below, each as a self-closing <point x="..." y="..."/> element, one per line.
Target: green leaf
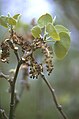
<point x="36" y="31"/>
<point x="11" y="21"/>
<point x="16" y="16"/>
<point x="61" y="47"/>
<point x="3" y="21"/>
<point x="60" y="28"/>
<point x="44" y="20"/>
<point x="52" y="32"/>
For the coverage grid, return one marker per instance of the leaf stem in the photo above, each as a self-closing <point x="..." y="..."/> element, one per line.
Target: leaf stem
<point x="58" y="106"/>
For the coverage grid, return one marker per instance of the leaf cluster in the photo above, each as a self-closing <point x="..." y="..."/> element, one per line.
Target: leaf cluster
<point x="58" y="34"/>
<point x="9" y="20"/>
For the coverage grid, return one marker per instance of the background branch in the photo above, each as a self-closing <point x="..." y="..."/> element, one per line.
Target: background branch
<point x="2" y="112"/>
<point x="2" y="75"/>
<point x="23" y="84"/>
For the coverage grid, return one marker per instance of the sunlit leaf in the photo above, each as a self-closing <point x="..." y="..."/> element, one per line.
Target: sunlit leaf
<point x="52" y="32"/>
<point x="3" y="21"/>
<point x="61" y="28"/>
<point x="16" y="16"/>
<point x="11" y="21"/>
<point x="44" y="20"/>
<point x="61" y="47"/>
<point x="36" y="31"/>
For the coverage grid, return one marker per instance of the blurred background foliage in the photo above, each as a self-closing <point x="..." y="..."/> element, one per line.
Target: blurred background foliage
<point x="36" y="103"/>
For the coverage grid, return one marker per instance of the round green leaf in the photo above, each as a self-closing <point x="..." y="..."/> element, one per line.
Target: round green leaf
<point x="11" y="21"/>
<point x="44" y="20"/>
<point x="16" y="16"/>
<point x="3" y="21"/>
<point x="60" y="28"/>
<point x="61" y="47"/>
<point x="36" y="31"/>
<point x="52" y="32"/>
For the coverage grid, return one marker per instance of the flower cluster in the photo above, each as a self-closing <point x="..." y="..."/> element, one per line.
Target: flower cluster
<point x="35" y="68"/>
<point x="5" y="51"/>
<point x="40" y="43"/>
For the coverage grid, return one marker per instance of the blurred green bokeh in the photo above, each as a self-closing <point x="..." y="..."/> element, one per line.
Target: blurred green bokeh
<point x="37" y="103"/>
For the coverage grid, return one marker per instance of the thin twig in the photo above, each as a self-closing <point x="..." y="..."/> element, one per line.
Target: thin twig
<point x="3" y="114"/>
<point x="15" y="50"/>
<point x="2" y="75"/>
<point x="58" y="106"/>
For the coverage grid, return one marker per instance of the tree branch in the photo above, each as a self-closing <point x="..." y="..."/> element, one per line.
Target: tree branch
<point x="3" y="114"/>
<point x="12" y="103"/>
<point x="17" y="55"/>
<point x="11" y="113"/>
<point x="58" y="106"/>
